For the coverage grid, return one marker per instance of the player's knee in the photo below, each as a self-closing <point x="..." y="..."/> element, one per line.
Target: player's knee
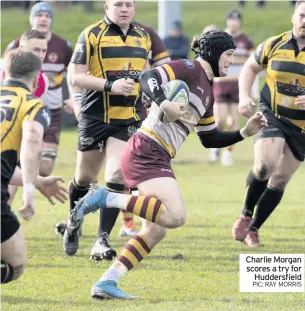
<point x="84" y="178"/>
<point x="47" y="162"/>
<point x="261" y="171"/>
<point x="46" y="168"/>
<point x="178" y="220"/>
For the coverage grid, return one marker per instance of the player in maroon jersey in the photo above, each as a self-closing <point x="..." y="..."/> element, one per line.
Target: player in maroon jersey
<point x="59" y="52"/>
<point x="146" y="159"/>
<point x="226" y="89"/>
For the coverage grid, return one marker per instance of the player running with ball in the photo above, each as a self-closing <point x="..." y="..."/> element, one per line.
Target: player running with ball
<point x="146" y="160"/>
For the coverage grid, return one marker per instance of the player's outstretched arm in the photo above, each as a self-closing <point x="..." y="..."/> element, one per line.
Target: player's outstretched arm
<point x="221" y="139"/>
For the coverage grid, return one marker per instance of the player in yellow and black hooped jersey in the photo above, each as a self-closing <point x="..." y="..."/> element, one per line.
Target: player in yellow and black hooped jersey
<point x="280" y="148"/>
<point x="24" y="119"/>
<point x="111" y="55"/>
<point x="108" y="59"/>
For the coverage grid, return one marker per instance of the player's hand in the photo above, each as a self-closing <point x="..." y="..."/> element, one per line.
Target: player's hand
<point x="300" y="102"/>
<point x="254" y="124"/>
<point x="245" y="106"/>
<point x="27" y="211"/>
<point x="172" y="110"/>
<point x="123" y="86"/>
<point x="68" y="105"/>
<point x="52" y="188"/>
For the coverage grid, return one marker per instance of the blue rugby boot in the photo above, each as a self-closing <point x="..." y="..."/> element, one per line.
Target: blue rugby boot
<point x="91" y="202"/>
<point x="109" y="290"/>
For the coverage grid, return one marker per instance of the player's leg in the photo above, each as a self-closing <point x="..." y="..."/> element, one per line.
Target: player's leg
<point x="13" y="248"/>
<point x="141" y="244"/>
<point x="115" y="183"/>
<point x="168" y="211"/>
<point x="131" y="255"/>
<point x="49" y="154"/>
<point x="50" y="144"/>
<point x="273" y="194"/>
<point x="88" y="164"/>
<point x="268" y="147"/>
<point x="91" y="135"/>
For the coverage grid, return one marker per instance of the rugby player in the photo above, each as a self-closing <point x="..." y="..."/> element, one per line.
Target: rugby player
<point x="226" y="89"/>
<point x="36" y="42"/>
<point x="146" y="159"/>
<point x="24" y="119"/>
<point x="59" y="52"/>
<point x="109" y="113"/>
<point x="279" y="150"/>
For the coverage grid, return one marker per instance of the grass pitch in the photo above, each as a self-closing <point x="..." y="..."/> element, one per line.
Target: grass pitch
<point x="206" y="278"/>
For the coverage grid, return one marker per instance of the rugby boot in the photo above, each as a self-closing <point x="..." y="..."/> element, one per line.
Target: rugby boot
<point x="109" y="290"/>
<point x="252" y="239"/>
<point x="128" y="228"/>
<point x="91" y="202"/>
<point x="240" y="228"/>
<point x="101" y="249"/>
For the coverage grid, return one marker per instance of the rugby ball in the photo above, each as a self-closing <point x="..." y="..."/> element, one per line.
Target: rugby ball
<point x="177" y="91"/>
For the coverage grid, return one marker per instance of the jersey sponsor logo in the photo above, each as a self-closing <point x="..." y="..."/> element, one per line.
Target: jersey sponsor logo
<point x="292" y="89"/>
<point x="188" y="63"/>
<point x="153" y="84"/>
<point x="126" y="72"/>
<point x="53" y="57"/>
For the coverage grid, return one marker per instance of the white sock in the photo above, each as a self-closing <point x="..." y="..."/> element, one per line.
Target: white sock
<point x="115" y="272"/>
<point x="118" y="200"/>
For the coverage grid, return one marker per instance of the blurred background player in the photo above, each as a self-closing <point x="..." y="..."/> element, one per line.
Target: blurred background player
<point x="34" y="41"/>
<point x="24" y="119"/>
<point x="226" y="89"/>
<point x="58" y="56"/>
<point x="279" y="150"/>
<point x="109" y="113"/>
<point x="177" y="43"/>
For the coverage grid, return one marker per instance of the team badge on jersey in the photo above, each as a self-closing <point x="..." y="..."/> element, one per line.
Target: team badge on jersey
<point x="188" y="63"/>
<point x="53" y="57"/>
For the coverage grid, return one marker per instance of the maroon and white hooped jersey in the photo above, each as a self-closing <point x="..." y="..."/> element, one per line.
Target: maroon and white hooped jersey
<point x="58" y="57"/>
<point x="199" y="114"/>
